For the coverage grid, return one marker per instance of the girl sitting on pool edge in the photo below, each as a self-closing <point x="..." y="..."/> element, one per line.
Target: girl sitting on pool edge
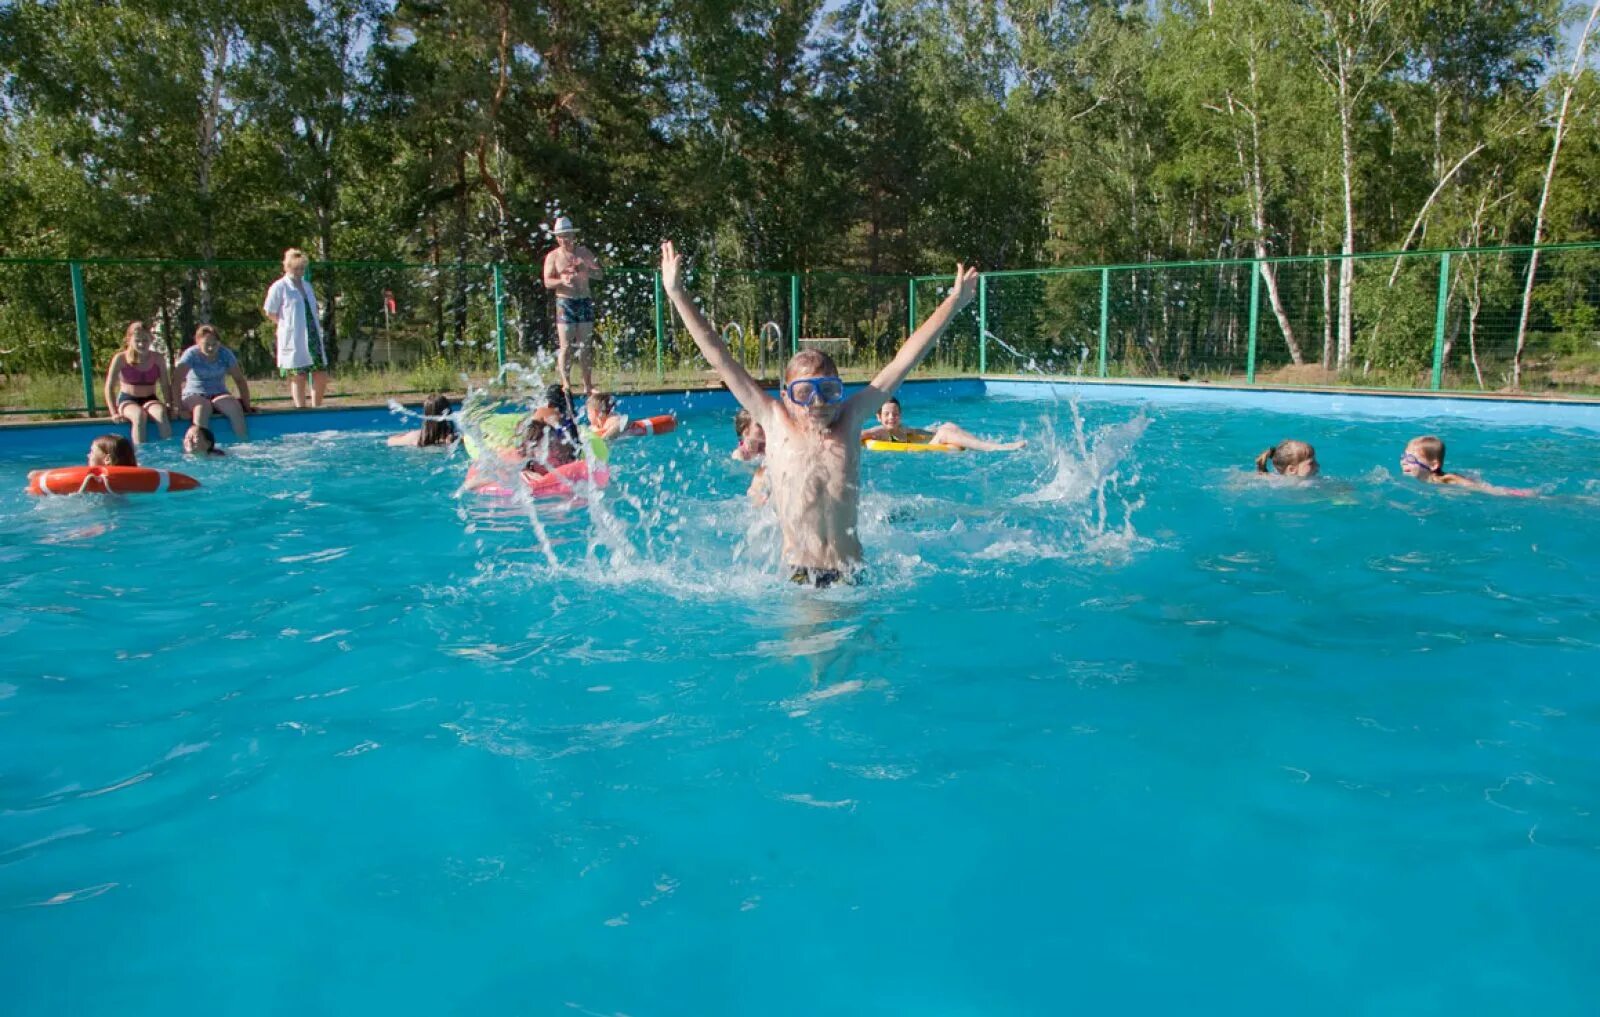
<point x="1424" y="460"/>
<point x="891" y="428"/>
<point x="202" y="378"/>
<point x="140" y="372"/>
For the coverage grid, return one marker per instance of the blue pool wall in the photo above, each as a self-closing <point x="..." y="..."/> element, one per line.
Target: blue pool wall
<point x="69" y="439"/>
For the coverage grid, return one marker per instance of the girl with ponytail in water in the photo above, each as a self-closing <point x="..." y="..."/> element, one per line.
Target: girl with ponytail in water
<point x="1291" y="458"/>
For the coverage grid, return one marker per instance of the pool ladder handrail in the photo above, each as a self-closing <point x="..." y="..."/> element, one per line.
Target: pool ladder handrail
<point x="736" y="327"/>
<point x="777" y="342"/>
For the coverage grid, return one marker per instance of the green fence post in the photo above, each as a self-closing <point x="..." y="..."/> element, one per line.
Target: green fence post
<point x="983" y="324"/>
<point x="794" y="313"/>
<point x="1255" y="315"/>
<point x="80" y="307"/>
<point x="1105" y="316"/>
<point x="1438" y="320"/>
<point x="499" y="318"/>
<point x="911" y="306"/>
<point x="661" y="329"/>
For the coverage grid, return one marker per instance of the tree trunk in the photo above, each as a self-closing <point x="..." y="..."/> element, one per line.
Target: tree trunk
<point x="1327" y="316"/>
<point x="459" y="307"/>
<point x="1347" y="265"/>
<point x="1474" y="305"/>
<point x="1544" y="197"/>
<point x="1258" y="203"/>
<point x="207" y="135"/>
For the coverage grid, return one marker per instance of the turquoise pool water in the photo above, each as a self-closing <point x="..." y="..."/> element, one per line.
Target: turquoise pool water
<point x="1115" y="728"/>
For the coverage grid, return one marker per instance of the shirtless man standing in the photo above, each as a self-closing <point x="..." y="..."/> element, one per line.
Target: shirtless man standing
<point x="813" y="431"/>
<point x="567" y="271"/>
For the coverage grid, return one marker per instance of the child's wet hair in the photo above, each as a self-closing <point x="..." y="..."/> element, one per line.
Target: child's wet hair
<point x="603" y="402"/>
<point x="1284" y="455"/>
<point x="810" y="364"/>
<point x="544" y="446"/>
<point x="115" y="449"/>
<point x="555" y="397"/>
<point x="742" y="421"/>
<point x="1428" y="448"/>
<point x="435" y="429"/>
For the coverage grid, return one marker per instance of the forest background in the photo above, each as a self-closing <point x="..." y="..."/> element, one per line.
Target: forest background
<point x="885" y="138"/>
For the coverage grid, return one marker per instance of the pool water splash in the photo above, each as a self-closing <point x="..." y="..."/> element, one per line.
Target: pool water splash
<point x="1093" y="475"/>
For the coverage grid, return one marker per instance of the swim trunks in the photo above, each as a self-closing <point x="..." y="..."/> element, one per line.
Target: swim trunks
<point x="574" y="310"/>
<point x="806" y="575"/>
<point x="143" y="401"/>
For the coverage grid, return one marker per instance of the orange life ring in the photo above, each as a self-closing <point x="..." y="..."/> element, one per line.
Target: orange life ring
<point x="651" y="425"/>
<point x="108" y="480"/>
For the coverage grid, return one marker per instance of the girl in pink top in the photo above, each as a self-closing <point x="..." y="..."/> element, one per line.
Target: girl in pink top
<point x="139" y="371"/>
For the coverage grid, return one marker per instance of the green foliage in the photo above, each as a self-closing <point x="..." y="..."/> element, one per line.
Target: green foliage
<point x="434" y="374"/>
<point x="881" y="136"/>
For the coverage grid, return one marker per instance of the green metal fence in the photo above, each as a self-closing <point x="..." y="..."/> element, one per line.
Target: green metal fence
<point x="1447" y="320"/>
<point x="1426" y="320"/>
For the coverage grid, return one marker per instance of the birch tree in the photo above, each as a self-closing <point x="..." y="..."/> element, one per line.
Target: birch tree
<point x="1352" y="44"/>
<point x="1568" y="87"/>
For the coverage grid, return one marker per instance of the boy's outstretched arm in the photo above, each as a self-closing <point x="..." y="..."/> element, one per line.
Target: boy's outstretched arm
<point x="865" y="403"/>
<point x="744" y="388"/>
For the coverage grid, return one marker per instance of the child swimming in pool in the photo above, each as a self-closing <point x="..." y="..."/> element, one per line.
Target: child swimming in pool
<point x="437" y="428"/>
<point x="813" y="433"/>
<point x="199" y="441"/>
<point x="556" y="413"/>
<point x="1290" y="458"/>
<point x="544" y="448"/>
<point x="752" y="448"/>
<point x="1424" y="459"/>
<point x="892" y="428"/>
<point x="112" y="450"/>
<point x="604" y="420"/>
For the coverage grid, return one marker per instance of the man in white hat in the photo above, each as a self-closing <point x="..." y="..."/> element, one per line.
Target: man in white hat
<point x="567" y="271"/>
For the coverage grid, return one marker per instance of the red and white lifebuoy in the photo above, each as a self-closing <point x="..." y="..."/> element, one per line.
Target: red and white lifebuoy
<point x="651" y="425"/>
<point x="108" y="480"/>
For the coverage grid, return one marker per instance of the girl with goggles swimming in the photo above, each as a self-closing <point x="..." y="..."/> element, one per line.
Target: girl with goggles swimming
<point x="1424" y="459"/>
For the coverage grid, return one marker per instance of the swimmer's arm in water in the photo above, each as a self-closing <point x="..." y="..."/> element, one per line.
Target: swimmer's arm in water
<point x="864" y="404"/>
<point x="744" y="388"/>
<point x="1474" y="484"/>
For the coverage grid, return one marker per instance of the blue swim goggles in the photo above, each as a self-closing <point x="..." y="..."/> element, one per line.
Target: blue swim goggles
<point x="806" y="391"/>
<point x="1410" y="460"/>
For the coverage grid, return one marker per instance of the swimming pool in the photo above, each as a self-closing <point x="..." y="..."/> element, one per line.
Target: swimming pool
<point x="1115" y="727"/>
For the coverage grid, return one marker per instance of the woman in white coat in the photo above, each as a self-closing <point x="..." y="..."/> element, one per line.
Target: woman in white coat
<point x="301" y="351"/>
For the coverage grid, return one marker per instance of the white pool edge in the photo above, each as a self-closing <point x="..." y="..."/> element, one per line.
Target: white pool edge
<point x="1583" y="415"/>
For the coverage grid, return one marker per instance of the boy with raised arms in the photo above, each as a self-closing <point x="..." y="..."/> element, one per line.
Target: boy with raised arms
<point x="813" y="450"/>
